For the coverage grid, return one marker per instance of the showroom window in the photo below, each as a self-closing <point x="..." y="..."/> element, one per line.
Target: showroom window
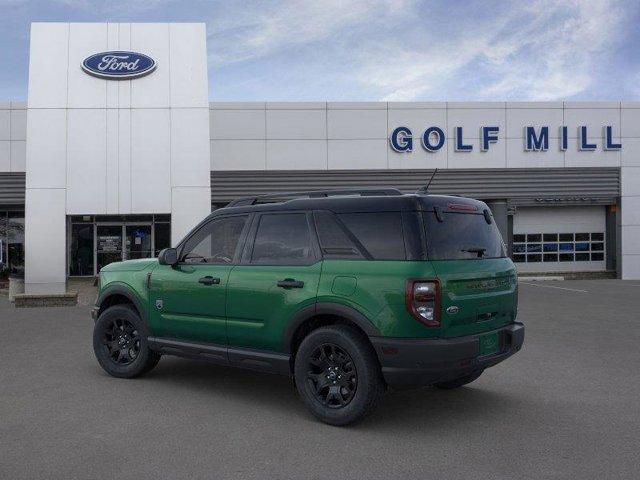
<point x="11" y="242"/>
<point x="558" y="247"/>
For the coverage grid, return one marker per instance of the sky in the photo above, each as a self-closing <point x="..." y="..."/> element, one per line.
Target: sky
<point x="377" y="50"/>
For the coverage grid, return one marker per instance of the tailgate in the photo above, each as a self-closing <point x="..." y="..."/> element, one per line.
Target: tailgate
<point x="476" y="295"/>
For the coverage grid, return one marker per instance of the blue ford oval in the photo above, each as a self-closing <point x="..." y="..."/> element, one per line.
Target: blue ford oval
<point x="118" y="65"/>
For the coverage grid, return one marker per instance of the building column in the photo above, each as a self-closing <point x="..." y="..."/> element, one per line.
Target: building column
<point x="189" y="206"/>
<point x="45" y="241"/>
<point x="630" y="223"/>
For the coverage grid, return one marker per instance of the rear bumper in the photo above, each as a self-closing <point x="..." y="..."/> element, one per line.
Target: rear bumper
<point x="411" y="362"/>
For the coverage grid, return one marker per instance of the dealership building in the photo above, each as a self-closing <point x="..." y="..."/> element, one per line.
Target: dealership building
<point x="118" y="152"/>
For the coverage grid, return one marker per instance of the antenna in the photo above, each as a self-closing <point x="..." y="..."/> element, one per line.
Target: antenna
<point x="425" y="189"/>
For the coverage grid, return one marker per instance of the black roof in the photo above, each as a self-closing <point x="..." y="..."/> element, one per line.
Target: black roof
<point x="352" y="202"/>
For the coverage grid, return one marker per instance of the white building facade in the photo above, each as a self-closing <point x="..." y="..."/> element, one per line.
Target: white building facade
<point x="103" y="169"/>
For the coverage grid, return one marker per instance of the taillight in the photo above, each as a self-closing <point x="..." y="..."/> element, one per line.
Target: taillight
<point x="423" y="301"/>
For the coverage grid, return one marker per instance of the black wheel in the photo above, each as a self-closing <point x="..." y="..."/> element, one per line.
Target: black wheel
<point x="120" y="343"/>
<point x="337" y="375"/>
<point x="458" y="382"/>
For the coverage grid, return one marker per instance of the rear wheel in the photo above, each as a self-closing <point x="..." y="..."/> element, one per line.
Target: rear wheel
<point x="120" y="343"/>
<point x="337" y="375"/>
<point x="458" y="382"/>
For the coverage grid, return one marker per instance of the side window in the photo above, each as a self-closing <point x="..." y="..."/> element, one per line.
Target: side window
<point x="216" y="242"/>
<point x="334" y="241"/>
<point x="283" y="239"/>
<point x="379" y="233"/>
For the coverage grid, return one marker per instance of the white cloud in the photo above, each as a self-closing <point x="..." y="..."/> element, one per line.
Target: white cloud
<point x="261" y="29"/>
<point x="548" y="50"/>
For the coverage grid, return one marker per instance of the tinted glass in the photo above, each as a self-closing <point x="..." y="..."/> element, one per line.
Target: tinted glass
<point x="379" y="233"/>
<point x="283" y="239"/>
<point x="216" y="242"/>
<point x="334" y="241"/>
<point x="462" y="236"/>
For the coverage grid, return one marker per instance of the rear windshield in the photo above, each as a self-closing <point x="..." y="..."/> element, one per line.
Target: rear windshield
<point x="462" y="236"/>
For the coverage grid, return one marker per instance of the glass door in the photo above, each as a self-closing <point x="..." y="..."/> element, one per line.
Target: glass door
<point x="108" y="245"/>
<point x="138" y="242"/>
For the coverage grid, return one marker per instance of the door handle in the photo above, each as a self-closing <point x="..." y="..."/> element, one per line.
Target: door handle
<point x="208" y="280"/>
<point x="290" y="283"/>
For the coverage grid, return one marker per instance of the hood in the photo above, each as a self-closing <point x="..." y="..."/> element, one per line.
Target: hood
<point x="130" y="265"/>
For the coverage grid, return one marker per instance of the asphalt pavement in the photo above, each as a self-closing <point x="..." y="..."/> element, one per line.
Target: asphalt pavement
<point x="566" y="406"/>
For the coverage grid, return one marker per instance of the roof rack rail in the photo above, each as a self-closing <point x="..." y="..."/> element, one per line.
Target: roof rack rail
<point x="243" y="201"/>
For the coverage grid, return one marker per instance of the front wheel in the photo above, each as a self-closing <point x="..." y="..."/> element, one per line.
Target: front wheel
<point x="120" y="343"/>
<point x="337" y="375"/>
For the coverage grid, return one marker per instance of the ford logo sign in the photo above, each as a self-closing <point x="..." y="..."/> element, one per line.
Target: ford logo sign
<point x="118" y="65"/>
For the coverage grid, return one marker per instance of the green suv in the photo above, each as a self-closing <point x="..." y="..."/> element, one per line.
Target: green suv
<point x="348" y="292"/>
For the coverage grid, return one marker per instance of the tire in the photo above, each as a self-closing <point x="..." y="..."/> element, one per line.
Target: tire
<point x="458" y="382"/>
<point x="120" y="343"/>
<point x="337" y="375"/>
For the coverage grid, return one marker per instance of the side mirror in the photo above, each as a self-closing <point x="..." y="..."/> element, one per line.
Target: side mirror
<point x="168" y="256"/>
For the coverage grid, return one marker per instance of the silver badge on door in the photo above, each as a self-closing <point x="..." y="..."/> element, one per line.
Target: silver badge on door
<point x="159" y="304"/>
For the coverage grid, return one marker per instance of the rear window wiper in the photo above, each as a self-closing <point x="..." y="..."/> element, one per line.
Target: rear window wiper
<point x="477" y="250"/>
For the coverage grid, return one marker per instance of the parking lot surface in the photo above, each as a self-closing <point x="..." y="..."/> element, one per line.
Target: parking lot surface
<point x="566" y="406"/>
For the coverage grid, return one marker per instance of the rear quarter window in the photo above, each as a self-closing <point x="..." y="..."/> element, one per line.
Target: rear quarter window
<point x="380" y="233"/>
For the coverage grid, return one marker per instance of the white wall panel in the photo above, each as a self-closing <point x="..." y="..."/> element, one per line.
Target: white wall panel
<point x="630" y="120"/>
<point x="190" y="164"/>
<point x="188" y="56"/>
<point x="190" y="205"/>
<point x="124" y="86"/>
<point x="18" y="124"/>
<point x="238" y="154"/>
<point x="45" y="240"/>
<point x="517" y="157"/>
<point x="124" y="161"/>
<point x="418" y="120"/>
<point x="630" y="181"/>
<point x="630" y="153"/>
<point x="47" y="148"/>
<point x="18" y="156"/>
<point x="113" y="43"/>
<point x="296" y="154"/>
<point x="150" y="161"/>
<point x="86" y="161"/>
<point x="48" y="62"/>
<point x="495" y="157"/>
<point x="419" y="158"/>
<point x="152" y="91"/>
<point x="296" y="124"/>
<point x="357" y="124"/>
<point x="111" y="162"/>
<point x="630" y="211"/>
<point x="631" y="239"/>
<point x="357" y="154"/>
<point x="518" y="118"/>
<point x="592" y="118"/>
<point x="5" y="124"/>
<point x="630" y="268"/>
<point x="238" y="124"/>
<point x="598" y="158"/>
<point x="5" y="156"/>
<point x="86" y="91"/>
<point x="472" y="119"/>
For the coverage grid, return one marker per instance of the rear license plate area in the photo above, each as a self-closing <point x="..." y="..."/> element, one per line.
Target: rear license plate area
<point x="489" y="343"/>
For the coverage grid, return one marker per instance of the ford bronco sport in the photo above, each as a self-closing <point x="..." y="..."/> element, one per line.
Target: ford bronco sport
<point x="348" y="292"/>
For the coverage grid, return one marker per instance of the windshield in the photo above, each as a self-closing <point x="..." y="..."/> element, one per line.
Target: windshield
<point x="462" y="236"/>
